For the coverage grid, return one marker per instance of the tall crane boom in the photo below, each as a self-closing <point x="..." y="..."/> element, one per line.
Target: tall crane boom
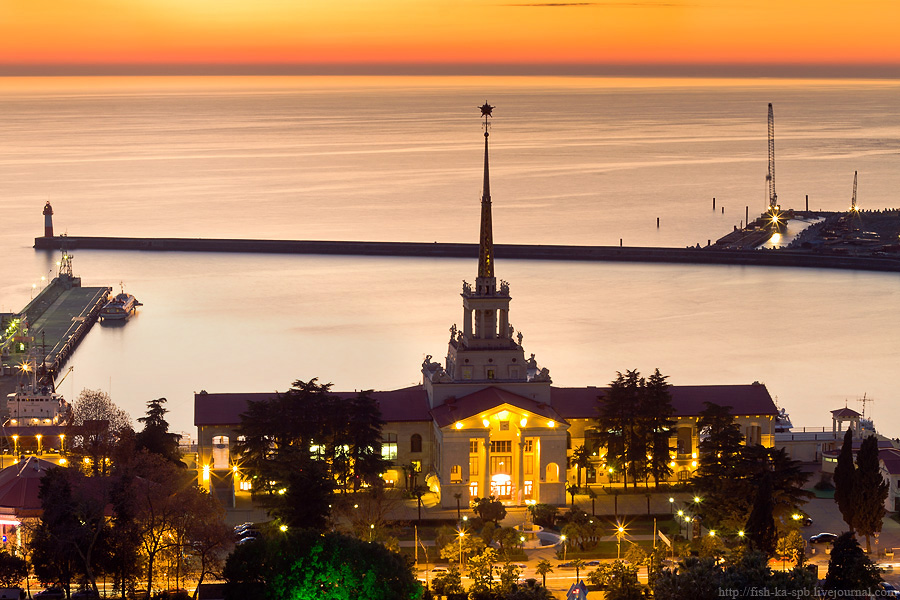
<point x="853" y="206"/>
<point x="770" y="177"/>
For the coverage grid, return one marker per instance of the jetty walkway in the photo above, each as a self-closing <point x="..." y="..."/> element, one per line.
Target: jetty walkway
<point x="709" y="255"/>
<point x="49" y="327"/>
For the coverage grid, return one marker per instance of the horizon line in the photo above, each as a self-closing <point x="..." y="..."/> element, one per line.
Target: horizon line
<point x="715" y="70"/>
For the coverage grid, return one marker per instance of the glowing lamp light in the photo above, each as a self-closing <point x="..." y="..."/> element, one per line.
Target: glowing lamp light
<point x="693" y="455"/>
<point x="234" y="469"/>
<point x="671" y="499"/>
<point x="459" y="424"/>
<point x="485" y="422"/>
<point x="672" y="464"/>
<point x="680" y="513"/>
<point x="741" y="533"/>
<point x="503" y="415"/>
<point x="62" y="462"/>
<point x="283" y="528"/>
<point x="551" y="423"/>
<point x="796" y="517"/>
<point x="712" y="533"/>
<point x="693" y="463"/>
<point x="523" y="422"/>
<point x="282" y="491"/>
<point x="87" y="461"/>
<point x="697" y="499"/>
<point x="205" y="471"/>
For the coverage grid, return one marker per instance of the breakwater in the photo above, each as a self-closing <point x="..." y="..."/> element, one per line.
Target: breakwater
<point x="708" y="255"/>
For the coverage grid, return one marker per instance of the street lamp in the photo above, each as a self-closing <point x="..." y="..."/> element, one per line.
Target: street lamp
<point x="371" y="531"/>
<point x="462" y="534"/>
<point x="62" y="443"/>
<point x="620" y="533"/>
<point x="565" y="546"/>
<point x="671" y="505"/>
<point x="16" y="446"/>
<point x="39" y="437"/>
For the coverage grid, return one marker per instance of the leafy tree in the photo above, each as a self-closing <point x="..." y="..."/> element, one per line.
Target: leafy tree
<point x="618" y="425"/>
<point x="155" y="436"/>
<point x="696" y="578"/>
<point x="299" y="445"/>
<point x="580" y="459"/>
<point x="509" y="574"/>
<point x="97" y="427"/>
<point x="656" y="413"/>
<point x="787" y="479"/>
<point x="307" y="564"/>
<point x="67" y="542"/>
<point x="469" y="544"/>
<point x="720" y="464"/>
<point x="13" y="569"/>
<point x="544" y="567"/>
<point x="623" y="582"/>
<point x="760" y="528"/>
<point x="792" y="546"/>
<point x="489" y="510"/>
<point x="481" y="569"/>
<point x="844" y="478"/>
<point x="544" y="515"/>
<point x="849" y="568"/>
<point x="448" y="583"/>
<point x="869" y="491"/>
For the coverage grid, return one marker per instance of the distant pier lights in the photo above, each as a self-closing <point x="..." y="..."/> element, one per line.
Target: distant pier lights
<point x="48" y="220"/>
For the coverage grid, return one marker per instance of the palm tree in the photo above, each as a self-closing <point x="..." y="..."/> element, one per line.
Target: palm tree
<point x="579" y="564"/>
<point x="542" y="569"/>
<point x="581" y="458"/>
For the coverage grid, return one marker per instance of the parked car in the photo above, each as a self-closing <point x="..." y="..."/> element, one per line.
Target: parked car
<point x="566" y="565"/>
<point x="592" y="563"/>
<point x="440" y="569"/>
<point x="823" y="538"/>
<point x="85" y="595"/>
<point x="888" y="590"/>
<point x="51" y="593"/>
<point x="13" y="593"/>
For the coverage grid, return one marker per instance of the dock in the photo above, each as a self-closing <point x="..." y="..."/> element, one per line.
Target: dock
<point x="693" y="255"/>
<point x="50" y="327"/>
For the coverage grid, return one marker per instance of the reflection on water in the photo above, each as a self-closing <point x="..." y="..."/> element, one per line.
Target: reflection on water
<point x="574" y="161"/>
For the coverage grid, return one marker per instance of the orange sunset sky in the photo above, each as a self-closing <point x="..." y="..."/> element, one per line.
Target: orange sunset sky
<point x="438" y="33"/>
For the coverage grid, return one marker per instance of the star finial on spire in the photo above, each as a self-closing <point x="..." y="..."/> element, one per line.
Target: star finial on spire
<point x="486" y="112"/>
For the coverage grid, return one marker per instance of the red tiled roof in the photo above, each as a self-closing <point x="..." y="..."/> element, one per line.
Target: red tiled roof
<point x="687" y="400"/>
<point x="845" y="412"/>
<point x="406" y="404"/>
<point x="487" y="399"/>
<point x="20" y="484"/>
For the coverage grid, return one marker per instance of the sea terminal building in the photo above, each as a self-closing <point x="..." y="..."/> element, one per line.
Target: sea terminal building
<point x="486" y="420"/>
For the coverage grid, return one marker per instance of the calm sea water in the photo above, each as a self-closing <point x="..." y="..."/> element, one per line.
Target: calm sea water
<point x="585" y="161"/>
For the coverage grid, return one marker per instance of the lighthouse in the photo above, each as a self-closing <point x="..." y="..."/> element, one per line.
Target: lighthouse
<point x="48" y="220"/>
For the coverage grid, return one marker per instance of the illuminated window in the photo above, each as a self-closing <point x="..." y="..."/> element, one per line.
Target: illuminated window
<point x="498" y="446"/>
<point x="415" y="443"/>
<point x="416" y="465"/>
<point x="528" y="464"/>
<point x="389" y="446"/>
<point x="473" y="446"/>
<point x="456" y="474"/>
<point x="473" y="466"/>
<point x="527" y="491"/>
<point x="490" y="375"/>
<point x="501" y="465"/>
<point x="245" y="486"/>
<point x="529" y="445"/>
<point x="473" y="489"/>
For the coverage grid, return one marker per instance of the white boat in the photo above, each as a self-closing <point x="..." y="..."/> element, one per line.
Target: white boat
<point x="120" y="307"/>
<point x="35" y="405"/>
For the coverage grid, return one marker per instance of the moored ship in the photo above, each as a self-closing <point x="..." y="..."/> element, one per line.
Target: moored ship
<point x="120" y="307"/>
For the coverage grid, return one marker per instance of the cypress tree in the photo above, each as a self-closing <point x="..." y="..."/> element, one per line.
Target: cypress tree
<point x="844" y="481"/>
<point x="870" y="491"/>
<point x="760" y="527"/>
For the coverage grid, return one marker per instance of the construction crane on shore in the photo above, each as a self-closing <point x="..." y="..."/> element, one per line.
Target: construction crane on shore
<point x="853" y="206"/>
<point x="777" y="221"/>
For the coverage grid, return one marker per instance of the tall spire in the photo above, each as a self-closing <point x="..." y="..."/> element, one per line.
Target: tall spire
<point x="486" y="242"/>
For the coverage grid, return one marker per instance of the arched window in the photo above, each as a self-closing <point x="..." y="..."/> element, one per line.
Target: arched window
<point x="568" y="441"/>
<point x="415" y="443"/>
<point x="552" y="473"/>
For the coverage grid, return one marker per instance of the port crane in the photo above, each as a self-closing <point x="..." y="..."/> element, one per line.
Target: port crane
<point x="776" y="219"/>
<point x="853" y="205"/>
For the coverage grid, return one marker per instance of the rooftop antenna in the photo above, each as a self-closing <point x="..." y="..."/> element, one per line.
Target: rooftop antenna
<point x="853" y="206"/>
